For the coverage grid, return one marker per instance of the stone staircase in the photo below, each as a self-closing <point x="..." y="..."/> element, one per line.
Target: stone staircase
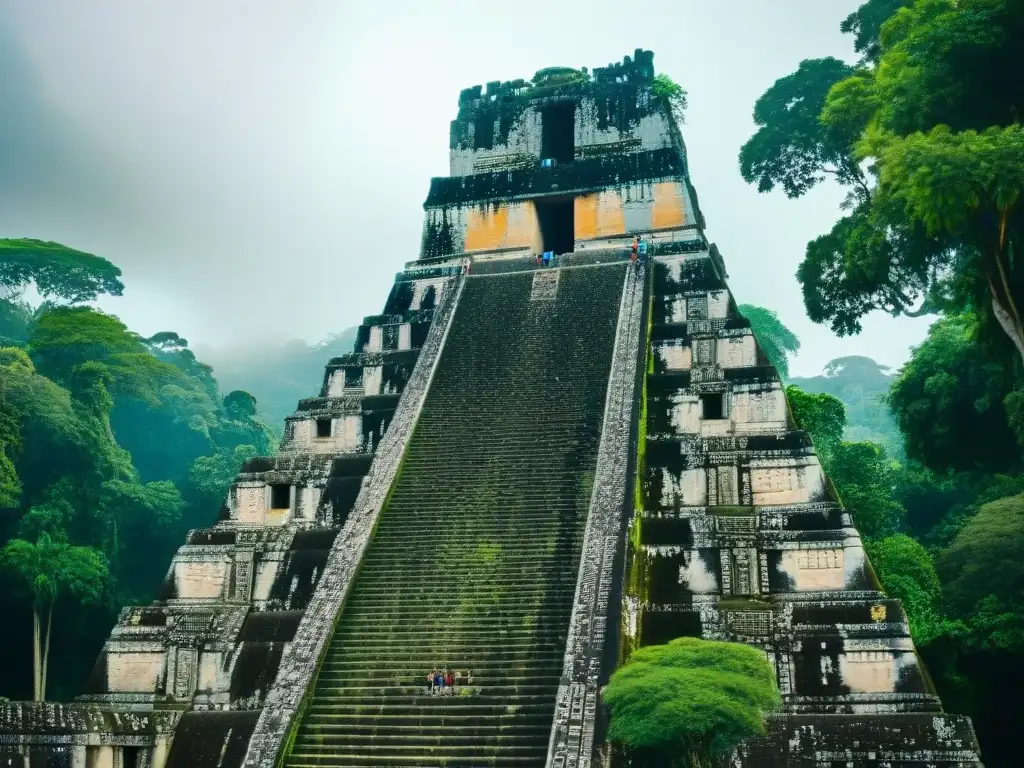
<point x="473" y="564"/>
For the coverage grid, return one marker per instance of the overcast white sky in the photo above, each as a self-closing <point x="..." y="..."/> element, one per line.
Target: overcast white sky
<point x="257" y="169"/>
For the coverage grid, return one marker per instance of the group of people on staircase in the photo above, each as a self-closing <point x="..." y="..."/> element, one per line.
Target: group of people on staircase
<point x="443" y="683"/>
<point x="638" y="254"/>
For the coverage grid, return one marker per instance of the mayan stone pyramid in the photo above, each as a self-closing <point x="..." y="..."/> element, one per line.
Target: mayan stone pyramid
<point x="522" y="472"/>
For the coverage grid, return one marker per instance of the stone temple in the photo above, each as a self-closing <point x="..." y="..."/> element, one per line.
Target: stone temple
<point x="522" y="473"/>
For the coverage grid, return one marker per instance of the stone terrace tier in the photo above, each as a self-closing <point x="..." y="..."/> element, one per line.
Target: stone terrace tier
<point x="741" y="537"/>
<point x="473" y="563"/>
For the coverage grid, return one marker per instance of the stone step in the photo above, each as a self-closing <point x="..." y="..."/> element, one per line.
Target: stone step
<point x="473" y="564"/>
<point x="343" y="759"/>
<point x="458" y="728"/>
<point x="437" y="706"/>
<point x="427" y="720"/>
<point x="406" y="664"/>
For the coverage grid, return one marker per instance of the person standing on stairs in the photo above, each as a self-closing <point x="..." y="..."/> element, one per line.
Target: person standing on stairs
<point x="430" y="680"/>
<point x="641" y="250"/>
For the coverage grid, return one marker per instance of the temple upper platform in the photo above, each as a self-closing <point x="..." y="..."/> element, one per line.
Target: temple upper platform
<point x="569" y="160"/>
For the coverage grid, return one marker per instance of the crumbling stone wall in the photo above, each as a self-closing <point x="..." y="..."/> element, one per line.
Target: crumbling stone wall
<point x="500" y="128"/>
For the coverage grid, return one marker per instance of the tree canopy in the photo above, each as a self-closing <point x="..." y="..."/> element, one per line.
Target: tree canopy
<point x="690" y="701"/>
<point x="951" y="402"/>
<point x="56" y="271"/>
<point x="822" y="416"/>
<point x="923" y="135"/>
<point x="775" y="339"/>
<point x="984" y="569"/>
<point x="675" y="96"/>
<point x="43" y="571"/>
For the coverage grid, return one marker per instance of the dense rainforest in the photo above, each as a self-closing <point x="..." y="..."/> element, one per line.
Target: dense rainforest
<point x="923" y="133"/>
<point x="112" y="446"/>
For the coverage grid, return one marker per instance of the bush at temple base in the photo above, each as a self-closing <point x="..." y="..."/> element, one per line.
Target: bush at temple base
<point x="688" y="702"/>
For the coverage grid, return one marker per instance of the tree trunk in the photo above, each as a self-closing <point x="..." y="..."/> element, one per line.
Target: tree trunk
<point x="46" y="654"/>
<point x="37" y="661"/>
<point x="1010" y="326"/>
<point x="1000" y="288"/>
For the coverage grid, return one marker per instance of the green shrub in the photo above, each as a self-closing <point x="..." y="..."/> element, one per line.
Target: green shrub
<point x="690" y="702"/>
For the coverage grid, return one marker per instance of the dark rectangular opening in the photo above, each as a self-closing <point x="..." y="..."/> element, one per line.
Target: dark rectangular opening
<point x="557" y="221"/>
<point x="130" y="757"/>
<point x="353" y="376"/>
<point x="483" y="131"/>
<point x="323" y="427"/>
<point x="280" y="496"/>
<point x="558" y="132"/>
<point x="712" y="406"/>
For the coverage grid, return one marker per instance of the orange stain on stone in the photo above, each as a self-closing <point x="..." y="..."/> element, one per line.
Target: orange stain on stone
<point x="669" y="209"/>
<point x="486" y="228"/>
<point x="599" y="215"/>
<point x="585" y="217"/>
<point x="507" y="226"/>
<point x="611" y="219"/>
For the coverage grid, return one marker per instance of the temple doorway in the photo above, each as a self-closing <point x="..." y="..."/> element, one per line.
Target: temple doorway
<point x="557" y="222"/>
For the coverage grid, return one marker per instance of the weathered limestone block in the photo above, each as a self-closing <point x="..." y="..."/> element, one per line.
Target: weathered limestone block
<point x="675" y="310"/>
<point x="376" y="338"/>
<point x="335" y="386"/>
<point x="685" y="413"/>
<point x="266" y="573"/>
<point x="372" y="377"/>
<point x="674" y="355"/>
<point x="248" y="502"/>
<point x="737" y="351"/>
<point x="689" y="487"/>
<point x="697" y="577"/>
<point x="201" y="579"/>
<point x="524" y="138"/>
<point x="815" y="569"/>
<point x="345" y="434"/>
<point x="650" y="132"/>
<point x="758" y="409"/>
<point x="868" y="671"/>
<point x="718" y="305"/>
<point x="141" y="672"/>
<point x="211" y="673"/>
<point x="715" y="427"/>
<point x="794" y="481"/>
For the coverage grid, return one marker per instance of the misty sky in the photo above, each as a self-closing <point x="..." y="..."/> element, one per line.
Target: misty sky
<point x="258" y="169"/>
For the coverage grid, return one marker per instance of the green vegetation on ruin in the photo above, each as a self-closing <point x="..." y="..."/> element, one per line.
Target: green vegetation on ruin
<point x="689" y="702"/>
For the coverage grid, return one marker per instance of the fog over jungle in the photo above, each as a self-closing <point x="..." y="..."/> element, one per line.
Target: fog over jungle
<point x="258" y="169"/>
